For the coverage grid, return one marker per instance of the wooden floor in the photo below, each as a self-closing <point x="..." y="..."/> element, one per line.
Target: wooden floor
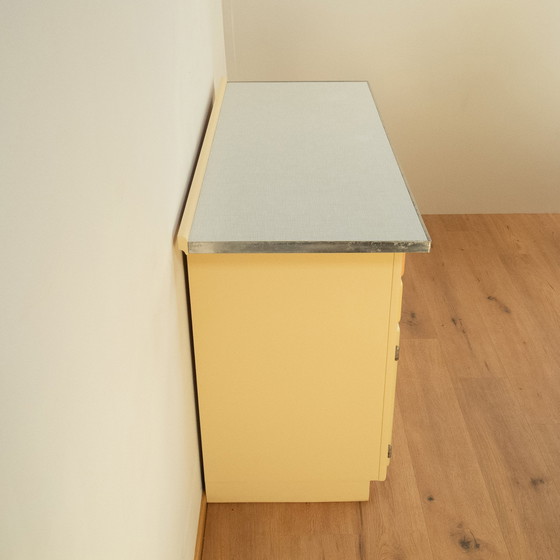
<point x="476" y="464"/>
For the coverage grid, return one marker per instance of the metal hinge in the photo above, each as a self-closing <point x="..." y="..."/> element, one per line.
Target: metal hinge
<point x="397" y="352"/>
<point x="389" y="451"/>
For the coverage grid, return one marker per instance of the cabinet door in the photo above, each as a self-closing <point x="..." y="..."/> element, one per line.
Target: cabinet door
<point x="291" y="356"/>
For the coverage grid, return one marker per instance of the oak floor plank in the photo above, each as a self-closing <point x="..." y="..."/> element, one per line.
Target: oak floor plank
<point x="519" y="305"/>
<point x="417" y="320"/>
<point x="443" y="280"/>
<point x="547" y="437"/>
<point x="528" y="346"/>
<point x="527" y="233"/>
<point x="539" y="296"/>
<point x="392" y="522"/>
<point x="537" y="235"/>
<point x="509" y="234"/>
<point x="314" y="547"/>
<point x="518" y="333"/>
<point x="516" y="308"/>
<point x="299" y="530"/>
<point x="459" y="514"/>
<point x="517" y="477"/>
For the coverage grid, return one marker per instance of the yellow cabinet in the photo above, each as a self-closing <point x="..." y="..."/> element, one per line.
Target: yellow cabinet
<point x="295" y="333"/>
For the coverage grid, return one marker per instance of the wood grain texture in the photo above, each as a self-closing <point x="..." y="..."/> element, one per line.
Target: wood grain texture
<point x="392" y="524"/>
<point x="457" y="508"/>
<point x="475" y="468"/>
<point x="517" y="477"/>
<point x="446" y="283"/>
<point x="201" y="528"/>
<point x="547" y="437"/>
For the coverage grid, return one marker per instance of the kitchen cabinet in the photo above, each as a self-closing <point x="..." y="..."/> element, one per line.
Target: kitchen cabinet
<point x="295" y="233"/>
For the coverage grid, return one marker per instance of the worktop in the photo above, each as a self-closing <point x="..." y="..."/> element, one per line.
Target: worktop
<point x="303" y="167"/>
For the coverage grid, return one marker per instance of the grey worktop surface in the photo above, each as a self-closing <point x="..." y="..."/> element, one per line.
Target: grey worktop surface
<point x="303" y="167"/>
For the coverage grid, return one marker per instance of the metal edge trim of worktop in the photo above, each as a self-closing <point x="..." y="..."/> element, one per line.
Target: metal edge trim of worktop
<point x="210" y="247"/>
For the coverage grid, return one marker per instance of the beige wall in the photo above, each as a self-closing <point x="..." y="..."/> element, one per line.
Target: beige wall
<point x="103" y="108"/>
<point x="469" y="91"/>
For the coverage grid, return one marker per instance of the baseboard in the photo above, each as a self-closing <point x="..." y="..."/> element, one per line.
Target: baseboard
<point x="201" y="527"/>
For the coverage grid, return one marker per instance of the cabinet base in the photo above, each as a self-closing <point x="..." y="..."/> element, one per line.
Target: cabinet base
<point x="275" y="491"/>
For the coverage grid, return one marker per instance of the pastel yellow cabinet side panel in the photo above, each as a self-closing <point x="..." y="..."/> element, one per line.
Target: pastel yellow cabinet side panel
<point x="291" y="354"/>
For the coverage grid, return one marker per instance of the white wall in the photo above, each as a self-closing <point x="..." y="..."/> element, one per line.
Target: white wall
<point x="103" y="108"/>
<point x="469" y="90"/>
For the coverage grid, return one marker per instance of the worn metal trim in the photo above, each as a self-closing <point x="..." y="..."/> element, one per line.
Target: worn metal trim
<point x="309" y="246"/>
